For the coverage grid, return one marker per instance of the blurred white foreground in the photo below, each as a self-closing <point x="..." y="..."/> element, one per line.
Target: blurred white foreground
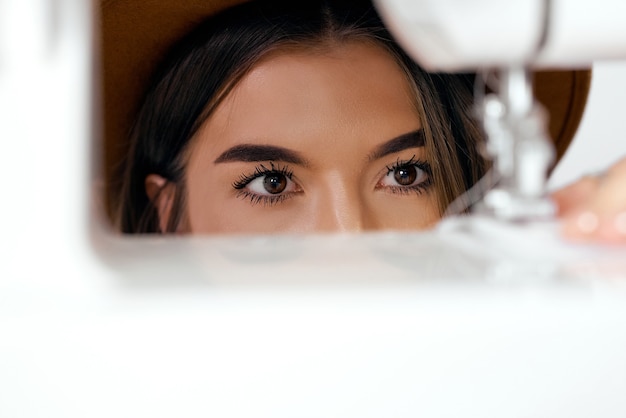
<point x="483" y="322"/>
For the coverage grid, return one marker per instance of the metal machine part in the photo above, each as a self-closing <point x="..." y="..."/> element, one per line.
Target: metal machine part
<point x="507" y="39"/>
<point x="518" y="144"/>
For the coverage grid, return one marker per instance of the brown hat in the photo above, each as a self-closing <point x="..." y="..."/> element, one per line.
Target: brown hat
<point x="136" y="34"/>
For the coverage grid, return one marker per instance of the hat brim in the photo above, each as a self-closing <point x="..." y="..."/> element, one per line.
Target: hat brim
<point x="135" y="35"/>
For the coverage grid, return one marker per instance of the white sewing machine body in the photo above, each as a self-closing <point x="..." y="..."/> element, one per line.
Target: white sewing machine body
<point x="457" y="35"/>
<point x="491" y="323"/>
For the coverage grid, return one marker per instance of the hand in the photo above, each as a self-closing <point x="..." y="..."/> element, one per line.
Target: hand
<point x="594" y="208"/>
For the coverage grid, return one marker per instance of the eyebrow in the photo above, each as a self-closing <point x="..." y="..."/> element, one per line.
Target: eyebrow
<point x="405" y="141"/>
<point x="254" y="153"/>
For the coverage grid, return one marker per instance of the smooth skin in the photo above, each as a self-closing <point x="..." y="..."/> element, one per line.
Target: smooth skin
<point x="593" y="209"/>
<point x="334" y="131"/>
<point x="310" y="141"/>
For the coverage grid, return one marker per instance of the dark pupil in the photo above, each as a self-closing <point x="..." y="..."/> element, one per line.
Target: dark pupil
<point x="275" y="183"/>
<point x="405" y="175"/>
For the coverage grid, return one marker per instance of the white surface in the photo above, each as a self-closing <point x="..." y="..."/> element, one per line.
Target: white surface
<point x="448" y="323"/>
<point x="449" y="35"/>
<point x="461" y="35"/>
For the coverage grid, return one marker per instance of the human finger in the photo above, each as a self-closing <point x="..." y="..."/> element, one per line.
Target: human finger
<point x="602" y="215"/>
<point x="569" y="198"/>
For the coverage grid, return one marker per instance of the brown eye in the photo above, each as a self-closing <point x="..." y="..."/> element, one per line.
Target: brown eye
<point x="405" y="175"/>
<point x="275" y="183"/>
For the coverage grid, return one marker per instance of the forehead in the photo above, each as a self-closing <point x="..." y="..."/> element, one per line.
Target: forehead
<point x="309" y="94"/>
<point x="342" y="76"/>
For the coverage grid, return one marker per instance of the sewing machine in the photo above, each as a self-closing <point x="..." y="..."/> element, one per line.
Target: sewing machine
<point x="459" y="321"/>
<point x="509" y="39"/>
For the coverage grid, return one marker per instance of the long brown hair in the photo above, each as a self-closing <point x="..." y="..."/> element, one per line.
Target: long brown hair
<point x="207" y="64"/>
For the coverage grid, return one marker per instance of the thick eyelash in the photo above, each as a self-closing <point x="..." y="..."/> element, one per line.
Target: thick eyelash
<point x="259" y="171"/>
<point x="255" y="199"/>
<point x="418" y="188"/>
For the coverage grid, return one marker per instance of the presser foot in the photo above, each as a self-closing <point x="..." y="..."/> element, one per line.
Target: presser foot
<point x="507" y="206"/>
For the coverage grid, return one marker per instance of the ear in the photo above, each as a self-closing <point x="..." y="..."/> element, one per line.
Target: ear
<point x="161" y="193"/>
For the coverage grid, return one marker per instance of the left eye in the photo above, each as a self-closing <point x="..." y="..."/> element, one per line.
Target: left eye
<point x="404" y="176"/>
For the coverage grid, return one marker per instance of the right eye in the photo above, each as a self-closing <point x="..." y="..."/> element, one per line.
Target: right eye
<point x="273" y="183"/>
<point x="267" y="185"/>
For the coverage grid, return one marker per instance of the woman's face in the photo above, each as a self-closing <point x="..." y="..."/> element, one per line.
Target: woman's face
<point x="318" y="141"/>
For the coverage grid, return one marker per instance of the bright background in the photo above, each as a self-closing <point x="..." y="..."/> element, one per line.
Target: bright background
<point x="366" y="336"/>
<point x="601" y="137"/>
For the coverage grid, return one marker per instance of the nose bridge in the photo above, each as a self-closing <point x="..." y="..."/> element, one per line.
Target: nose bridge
<point x="340" y="205"/>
